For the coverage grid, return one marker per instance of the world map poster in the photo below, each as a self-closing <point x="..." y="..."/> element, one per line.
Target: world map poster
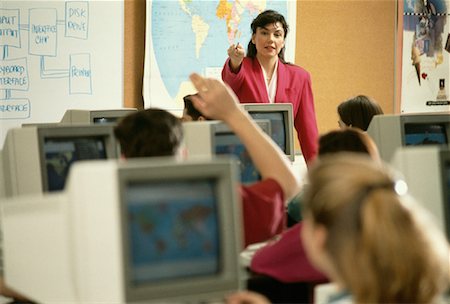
<point x="186" y="36"/>
<point x="425" y="63"/>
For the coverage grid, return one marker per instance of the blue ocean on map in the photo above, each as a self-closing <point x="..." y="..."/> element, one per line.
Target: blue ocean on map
<point x="190" y="36"/>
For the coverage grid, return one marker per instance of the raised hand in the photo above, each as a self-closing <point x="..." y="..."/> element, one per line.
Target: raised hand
<point x="215" y="99"/>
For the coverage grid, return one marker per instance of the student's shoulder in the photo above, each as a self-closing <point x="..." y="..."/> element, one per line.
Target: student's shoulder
<point x="266" y="188"/>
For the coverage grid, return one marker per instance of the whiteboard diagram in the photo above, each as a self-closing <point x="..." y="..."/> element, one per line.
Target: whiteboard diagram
<point x="53" y="56"/>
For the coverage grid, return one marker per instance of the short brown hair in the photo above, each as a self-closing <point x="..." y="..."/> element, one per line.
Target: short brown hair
<point x="358" y="111"/>
<point x="150" y="132"/>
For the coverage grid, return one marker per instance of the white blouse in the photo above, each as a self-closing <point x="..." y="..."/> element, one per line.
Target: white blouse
<point x="271" y="86"/>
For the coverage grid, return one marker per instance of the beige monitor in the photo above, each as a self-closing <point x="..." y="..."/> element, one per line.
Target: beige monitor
<point x="145" y="230"/>
<point x="393" y="131"/>
<point x="38" y="158"/>
<point x="73" y="116"/>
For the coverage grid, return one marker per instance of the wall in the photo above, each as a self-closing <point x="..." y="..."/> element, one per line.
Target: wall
<point x="346" y="45"/>
<point x="134" y="43"/>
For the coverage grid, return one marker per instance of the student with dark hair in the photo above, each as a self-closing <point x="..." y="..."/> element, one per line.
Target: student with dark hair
<point x="348" y="139"/>
<point x="264" y="210"/>
<point x="341" y="140"/>
<point x="190" y="113"/>
<point x="357" y="112"/>
<point x="149" y="132"/>
<point x="155" y="132"/>
<point x="263" y="76"/>
<point x="285" y="259"/>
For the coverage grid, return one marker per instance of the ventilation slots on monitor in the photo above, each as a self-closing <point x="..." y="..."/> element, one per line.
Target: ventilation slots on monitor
<point x="281" y="119"/>
<point x="72" y="116"/>
<point x="38" y="158"/>
<point x="170" y="232"/>
<point x="393" y="131"/>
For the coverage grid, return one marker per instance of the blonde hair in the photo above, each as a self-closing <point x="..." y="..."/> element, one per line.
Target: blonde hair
<point x="376" y="239"/>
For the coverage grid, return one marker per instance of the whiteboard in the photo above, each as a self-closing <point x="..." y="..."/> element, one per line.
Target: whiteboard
<point x="58" y="55"/>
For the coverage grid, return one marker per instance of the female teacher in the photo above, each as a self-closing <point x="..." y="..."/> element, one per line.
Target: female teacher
<point x="263" y="76"/>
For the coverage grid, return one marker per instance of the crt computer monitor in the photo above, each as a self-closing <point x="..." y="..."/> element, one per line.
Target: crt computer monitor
<point x="38" y="158"/>
<point x="74" y="116"/>
<point x="281" y="117"/>
<point x="393" y="131"/>
<point x="141" y="230"/>
<point x="426" y="170"/>
<point x="210" y="138"/>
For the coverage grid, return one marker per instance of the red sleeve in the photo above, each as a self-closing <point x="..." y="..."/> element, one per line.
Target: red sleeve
<point x="234" y="80"/>
<point x="264" y="211"/>
<point x="286" y="260"/>
<point x="305" y="122"/>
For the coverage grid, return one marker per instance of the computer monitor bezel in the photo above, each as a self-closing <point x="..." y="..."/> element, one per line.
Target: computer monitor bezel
<point x="188" y="287"/>
<point x="287" y="110"/>
<point x="116" y="114"/>
<point x="425" y="119"/>
<point x="444" y="156"/>
<point x="74" y="131"/>
<point x="77" y="116"/>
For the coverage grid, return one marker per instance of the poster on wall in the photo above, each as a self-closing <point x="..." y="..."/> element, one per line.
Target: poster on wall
<point x="183" y="37"/>
<point x="425" y="58"/>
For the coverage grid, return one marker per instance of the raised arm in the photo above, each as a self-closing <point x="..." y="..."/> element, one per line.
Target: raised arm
<point x="217" y="101"/>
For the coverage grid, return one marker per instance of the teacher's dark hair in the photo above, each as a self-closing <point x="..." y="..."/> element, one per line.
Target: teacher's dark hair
<point x="263" y="19"/>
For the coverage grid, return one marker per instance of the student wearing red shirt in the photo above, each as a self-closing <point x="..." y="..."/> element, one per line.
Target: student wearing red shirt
<point x="156" y="132"/>
<point x="264" y="210"/>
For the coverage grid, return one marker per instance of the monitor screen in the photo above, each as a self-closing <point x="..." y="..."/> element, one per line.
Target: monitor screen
<point x="111" y="116"/>
<point x="278" y="127"/>
<point x="61" y="152"/>
<point x="425" y="134"/>
<point x="173" y="230"/>
<point x="105" y="120"/>
<point x="229" y="143"/>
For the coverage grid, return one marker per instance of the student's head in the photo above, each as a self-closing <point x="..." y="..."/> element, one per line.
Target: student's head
<point x="268" y="22"/>
<point x="366" y="235"/>
<point x="348" y="140"/>
<point x="190" y="113"/>
<point x="357" y="112"/>
<point x="150" y="132"/>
